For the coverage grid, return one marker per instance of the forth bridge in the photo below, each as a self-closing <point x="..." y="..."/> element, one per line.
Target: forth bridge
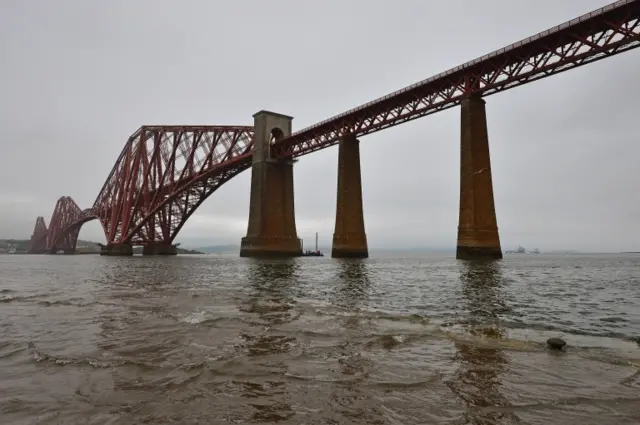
<point x="164" y="173"/>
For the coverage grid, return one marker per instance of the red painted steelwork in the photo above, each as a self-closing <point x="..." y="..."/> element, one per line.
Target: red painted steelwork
<point x="165" y="172"/>
<point x="162" y="176"/>
<point x="66" y="221"/>
<point x="602" y="33"/>
<point x="38" y="242"/>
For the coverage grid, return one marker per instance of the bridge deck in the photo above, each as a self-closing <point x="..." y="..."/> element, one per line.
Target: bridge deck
<point x="592" y="36"/>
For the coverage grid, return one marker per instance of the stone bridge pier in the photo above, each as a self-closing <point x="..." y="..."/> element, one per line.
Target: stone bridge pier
<point x="116" y="249"/>
<point x="271" y="231"/>
<point x="160" y="248"/>
<point x="349" y="237"/>
<point x="126" y="249"/>
<point x="477" y="224"/>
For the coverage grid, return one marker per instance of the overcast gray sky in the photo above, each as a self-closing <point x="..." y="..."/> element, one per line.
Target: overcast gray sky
<point x="77" y="77"/>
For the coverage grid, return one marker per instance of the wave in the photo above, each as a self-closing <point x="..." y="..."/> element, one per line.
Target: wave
<point x="78" y="302"/>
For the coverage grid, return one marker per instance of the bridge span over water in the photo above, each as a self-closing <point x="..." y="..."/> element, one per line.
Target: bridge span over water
<point x="164" y="173"/>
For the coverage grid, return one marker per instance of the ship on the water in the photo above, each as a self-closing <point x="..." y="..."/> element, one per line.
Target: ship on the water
<point x="521" y="250"/>
<point x="518" y="250"/>
<point x="308" y="253"/>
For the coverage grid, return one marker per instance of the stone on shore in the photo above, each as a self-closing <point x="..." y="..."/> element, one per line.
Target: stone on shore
<point x="556" y="343"/>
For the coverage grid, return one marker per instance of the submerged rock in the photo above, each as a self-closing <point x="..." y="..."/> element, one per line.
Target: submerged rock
<point x="389" y="341"/>
<point x="556" y="343"/>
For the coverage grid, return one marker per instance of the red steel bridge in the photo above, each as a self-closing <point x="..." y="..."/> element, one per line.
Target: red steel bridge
<point x="164" y="173"/>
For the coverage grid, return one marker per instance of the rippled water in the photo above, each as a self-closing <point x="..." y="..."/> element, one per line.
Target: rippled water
<point x="208" y="340"/>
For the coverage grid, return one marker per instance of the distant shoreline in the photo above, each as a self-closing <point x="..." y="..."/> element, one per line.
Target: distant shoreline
<point x="89" y="247"/>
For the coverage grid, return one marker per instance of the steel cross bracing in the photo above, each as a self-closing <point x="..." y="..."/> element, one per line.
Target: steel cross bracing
<point x="63" y="230"/>
<point x="605" y="32"/>
<point x="162" y="176"/>
<point x="38" y="242"/>
<point x="66" y="220"/>
<point x="165" y="172"/>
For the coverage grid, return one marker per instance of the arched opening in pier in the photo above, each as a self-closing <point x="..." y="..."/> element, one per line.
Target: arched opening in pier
<point x="276" y="134"/>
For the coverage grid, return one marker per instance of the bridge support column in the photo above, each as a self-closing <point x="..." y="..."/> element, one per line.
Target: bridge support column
<point x="271" y="231"/>
<point x="160" y="249"/>
<point x="117" y="250"/>
<point x="477" y="226"/>
<point x="349" y="237"/>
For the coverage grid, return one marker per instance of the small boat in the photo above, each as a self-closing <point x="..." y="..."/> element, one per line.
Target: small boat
<point x="316" y="253"/>
<point x="519" y="250"/>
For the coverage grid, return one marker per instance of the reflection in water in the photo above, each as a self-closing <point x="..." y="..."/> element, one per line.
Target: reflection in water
<point x="271" y="301"/>
<point x="142" y="272"/>
<point x="353" y="283"/>
<point x="482" y="362"/>
<point x="271" y="290"/>
<point x="141" y="288"/>
<point x="348" y="399"/>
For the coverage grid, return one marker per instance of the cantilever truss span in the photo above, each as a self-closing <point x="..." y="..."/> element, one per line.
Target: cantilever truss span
<point x="165" y="172"/>
<point x="162" y="176"/>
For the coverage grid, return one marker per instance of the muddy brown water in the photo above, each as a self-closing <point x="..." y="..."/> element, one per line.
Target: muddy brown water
<point x="218" y="340"/>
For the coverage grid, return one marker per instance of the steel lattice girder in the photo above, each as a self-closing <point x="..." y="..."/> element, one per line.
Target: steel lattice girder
<point x="65" y="214"/>
<point x="165" y="172"/>
<point x="605" y="32"/>
<point x="66" y="221"/>
<point x="166" y="219"/>
<point x="38" y="240"/>
<point x="161" y="176"/>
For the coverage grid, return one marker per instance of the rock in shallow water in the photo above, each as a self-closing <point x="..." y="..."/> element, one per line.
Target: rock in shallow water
<point x="556" y="343"/>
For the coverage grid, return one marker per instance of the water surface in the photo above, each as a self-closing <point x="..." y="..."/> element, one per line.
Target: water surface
<point x="215" y="340"/>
